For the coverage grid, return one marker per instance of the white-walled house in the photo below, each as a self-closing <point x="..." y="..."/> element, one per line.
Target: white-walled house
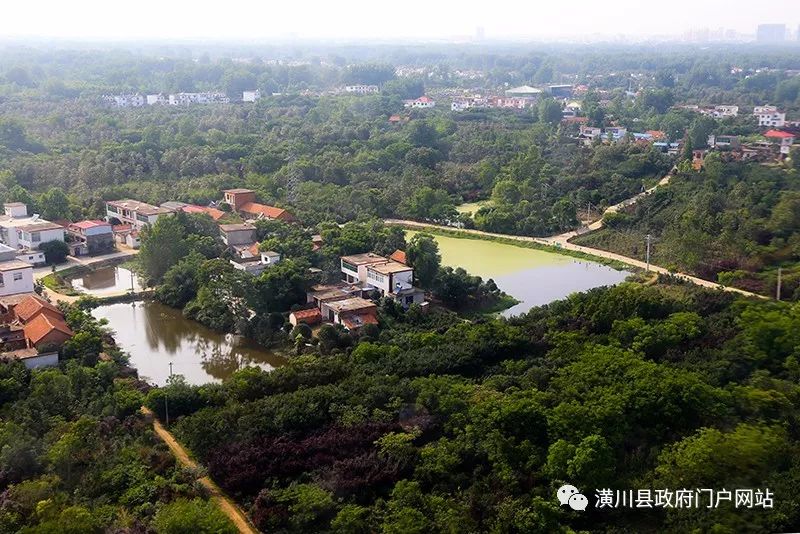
<point x="159" y="99"/>
<point x="251" y="96"/>
<point x="185" y="99"/>
<point x="390" y="278"/>
<point x="24" y="233"/>
<point x="257" y="264"/>
<point x="15" y="276"/>
<point x="137" y="214"/>
<point x="361" y="89"/>
<point x="126" y="100"/>
<point x="354" y="267"/>
<point x="769" y="116"/>
<point x="422" y="102"/>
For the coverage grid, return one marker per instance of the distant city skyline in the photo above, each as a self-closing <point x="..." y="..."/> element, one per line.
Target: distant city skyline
<point x="580" y="20"/>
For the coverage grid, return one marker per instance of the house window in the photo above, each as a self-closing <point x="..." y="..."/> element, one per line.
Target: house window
<point x="17" y="277"/>
<point x="372" y="275"/>
<point x="349" y="266"/>
<point x="2" y="282"/>
<point x="112" y="209"/>
<point x="36" y="237"/>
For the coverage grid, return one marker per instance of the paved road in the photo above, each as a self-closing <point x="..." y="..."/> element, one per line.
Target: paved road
<point x="228" y="507"/>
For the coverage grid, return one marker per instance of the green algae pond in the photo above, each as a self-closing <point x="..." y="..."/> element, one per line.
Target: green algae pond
<point x="533" y="277"/>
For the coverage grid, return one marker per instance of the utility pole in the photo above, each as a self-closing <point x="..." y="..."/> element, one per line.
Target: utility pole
<point x="648" y="252"/>
<point x="778" y="288"/>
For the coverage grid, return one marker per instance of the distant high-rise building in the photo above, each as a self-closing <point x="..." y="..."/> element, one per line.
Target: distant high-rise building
<point x="771" y="33"/>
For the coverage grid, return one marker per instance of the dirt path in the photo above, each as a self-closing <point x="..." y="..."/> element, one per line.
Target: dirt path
<point x="561" y="241"/>
<point x="228" y="507"/>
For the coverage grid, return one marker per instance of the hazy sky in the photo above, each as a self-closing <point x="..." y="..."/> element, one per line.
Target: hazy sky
<point x="353" y="19"/>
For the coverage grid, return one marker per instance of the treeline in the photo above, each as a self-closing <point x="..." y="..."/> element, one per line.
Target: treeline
<point x="440" y="425"/>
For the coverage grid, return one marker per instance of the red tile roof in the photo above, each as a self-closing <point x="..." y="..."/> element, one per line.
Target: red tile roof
<point x="85" y="225"/>
<point x="399" y="256"/>
<point x="33" y="306"/>
<point x="214" y="213"/>
<point x="308" y="315"/>
<point x="42" y="326"/>
<point x="270" y="212"/>
<point x="779" y="134"/>
<point x="353" y="322"/>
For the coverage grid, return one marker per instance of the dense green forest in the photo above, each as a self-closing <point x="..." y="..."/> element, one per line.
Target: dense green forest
<point x="335" y="157"/>
<point x="734" y="223"/>
<point x="77" y="456"/>
<point x="442" y="426"/>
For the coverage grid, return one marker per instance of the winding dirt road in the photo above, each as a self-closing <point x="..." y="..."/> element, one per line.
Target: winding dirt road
<point x="228" y="507"/>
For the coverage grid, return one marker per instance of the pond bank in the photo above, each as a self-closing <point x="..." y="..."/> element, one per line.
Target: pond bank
<point x="530" y="275"/>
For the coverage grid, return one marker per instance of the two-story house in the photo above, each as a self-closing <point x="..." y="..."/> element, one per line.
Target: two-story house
<point x="25" y="233"/>
<point x="137" y="214"/>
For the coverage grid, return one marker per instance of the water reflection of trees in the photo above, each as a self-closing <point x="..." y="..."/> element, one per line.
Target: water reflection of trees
<point x="219" y="361"/>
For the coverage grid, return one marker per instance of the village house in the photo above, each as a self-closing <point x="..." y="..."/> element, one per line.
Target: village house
<point x="253" y="262"/>
<point x="137" y="214"/>
<point x="319" y="294"/>
<point x="243" y="202"/>
<point x="186" y="99"/>
<point x="769" y="116"/>
<point x="724" y="141"/>
<point x="126" y="235"/>
<point x="352" y="313"/>
<point x="33" y="330"/>
<point x="590" y="133"/>
<point x="251" y="96"/>
<point x="176" y="206"/>
<point x="25" y="233"/>
<point x="126" y="100"/>
<point x="361" y="89"/>
<point x="388" y="277"/>
<point x="784" y="140"/>
<point x="524" y="91"/>
<point x="16" y="276"/>
<point x="157" y="99"/>
<point x="90" y="237"/>
<point x="310" y="317"/>
<point x="422" y="102"/>
<point x="237" y="234"/>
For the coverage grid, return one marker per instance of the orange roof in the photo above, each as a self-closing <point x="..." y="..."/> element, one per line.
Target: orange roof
<point x="779" y="134"/>
<point x="42" y="326"/>
<point x="312" y="313"/>
<point x="352" y="322"/>
<point x="253" y="249"/>
<point x="214" y="213"/>
<point x="399" y="256"/>
<point x="271" y="212"/>
<point x="33" y="306"/>
<point x="656" y="134"/>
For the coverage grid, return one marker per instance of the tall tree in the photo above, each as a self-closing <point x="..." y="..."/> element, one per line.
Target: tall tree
<point x="423" y="255"/>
